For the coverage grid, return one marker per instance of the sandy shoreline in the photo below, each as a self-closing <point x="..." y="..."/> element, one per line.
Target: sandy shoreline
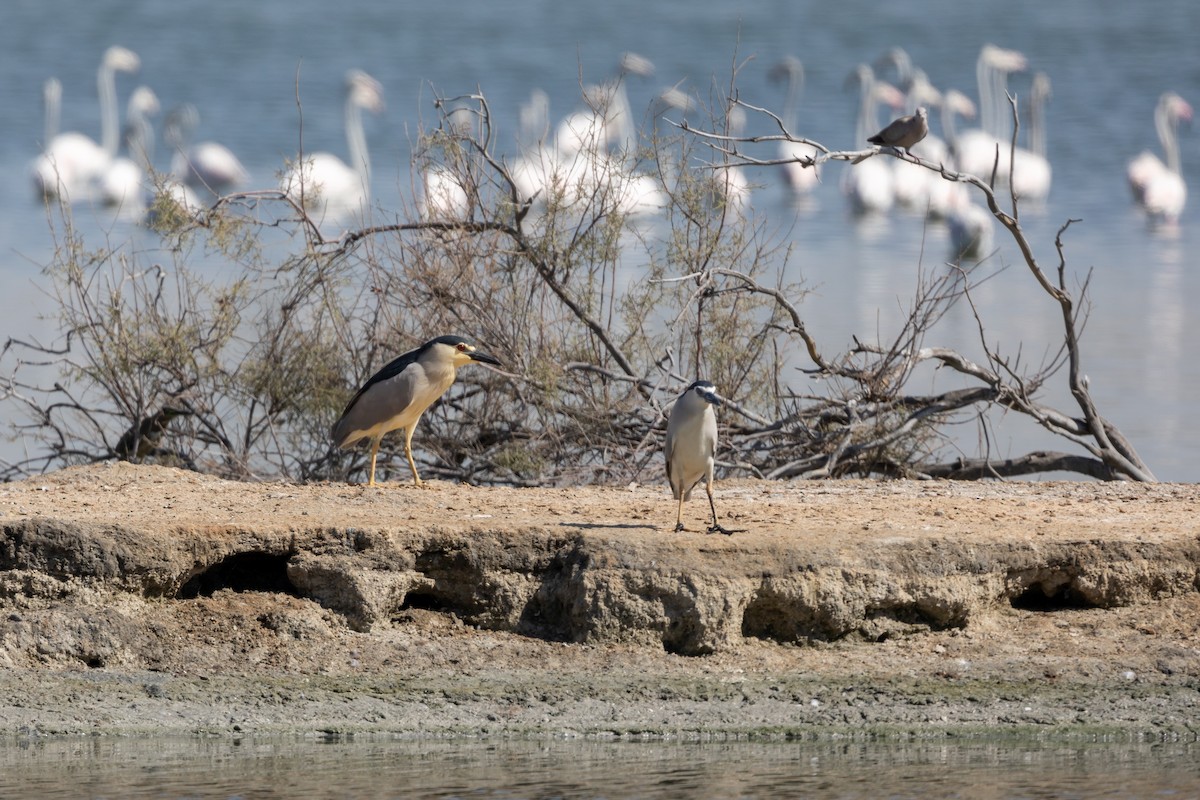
<point x="379" y="628"/>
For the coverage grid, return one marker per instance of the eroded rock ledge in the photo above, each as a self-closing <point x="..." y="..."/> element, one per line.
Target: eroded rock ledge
<point x="810" y="561"/>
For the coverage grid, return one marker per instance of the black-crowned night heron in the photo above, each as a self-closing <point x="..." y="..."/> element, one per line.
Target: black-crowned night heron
<point x="691" y="447"/>
<point x="398" y="394"/>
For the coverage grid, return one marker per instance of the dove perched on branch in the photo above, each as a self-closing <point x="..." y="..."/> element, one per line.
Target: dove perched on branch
<point x="903" y="133"/>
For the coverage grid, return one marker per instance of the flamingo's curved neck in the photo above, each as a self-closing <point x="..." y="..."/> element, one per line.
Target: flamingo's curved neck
<point x="1037" y="123"/>
<point x="949" y="128"/>
<point x="983" y="78"/>
<point x="867" y="120"/>
<point x="1165" y="126"/>
<point x="356" y="144"/>
<point x="791" y="105"/>
<point x="106" y="85"/>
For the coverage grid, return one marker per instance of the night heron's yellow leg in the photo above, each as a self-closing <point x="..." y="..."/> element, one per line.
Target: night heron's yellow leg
<point x="408" y="434"/>
<point x="679" y="514"/>
<point x="716" y="527"/>
<point x="374" y="453"/>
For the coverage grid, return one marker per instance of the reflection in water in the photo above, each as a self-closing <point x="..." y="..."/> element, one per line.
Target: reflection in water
<point x="1166" y="336"/>
<point x="507" y="769"/>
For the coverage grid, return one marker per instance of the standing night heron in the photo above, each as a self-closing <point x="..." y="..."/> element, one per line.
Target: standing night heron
<point x="691" y="447"/>
<point x="397" y="395"/>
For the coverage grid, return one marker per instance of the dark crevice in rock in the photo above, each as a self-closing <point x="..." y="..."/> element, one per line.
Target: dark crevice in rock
<point x="1051" y="588"/>
<point x="241" y="572"/>
<point x="773" y="617"/>
<point x="426" y="601"/>
<point x="1049" y="598"/>
<point x="684" y="634"/>
<point x="553" y="610"/>
<point x="454" y="584"/>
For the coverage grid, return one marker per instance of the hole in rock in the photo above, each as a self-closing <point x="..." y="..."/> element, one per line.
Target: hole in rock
<point x="242" y="572"/>
<point x="774" y="618"/>
<point x="1062" y="597"/>
<point x="427" y="601"/>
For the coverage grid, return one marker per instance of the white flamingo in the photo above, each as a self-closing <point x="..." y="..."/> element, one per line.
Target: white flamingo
<point x="975" y="149"/>
<point x="633" y="192"/>
<point x="185" y="200"/>
<point x="972" y="229"/>
<point x="607" y="120"/>
<point x="870" y="184"/>
<point x="593" y="156"/>
<point x="730" y="181"/>
<point x="532" y="170"/>
<point x="322" y="183"/>
<point x="124" y="184"/>
<point x="71" y="163"/>
<point x="444" y="196"/>
<point x="52" y="105"/>
<point x="802" y="180"/>
<point x="1031" y="174"/>
<point x="899" y="59"/>
<point x="1157" y="187"/>
<point x="955" y="104"/>
<point x="648" y="194"/>
<point x="916" y="187"/>
<point x="204" y="166"/>
<point x="942" y="195"/>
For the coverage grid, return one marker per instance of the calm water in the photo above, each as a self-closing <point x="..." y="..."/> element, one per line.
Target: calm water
<point x="238" y="63"/>
<point x="512" y="770"/>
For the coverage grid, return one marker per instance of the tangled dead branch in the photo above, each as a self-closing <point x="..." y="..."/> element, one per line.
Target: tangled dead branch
<point x="244" y="378"/>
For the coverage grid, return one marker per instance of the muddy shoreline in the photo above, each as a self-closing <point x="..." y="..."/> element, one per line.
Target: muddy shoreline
<point x="142" y="601"/>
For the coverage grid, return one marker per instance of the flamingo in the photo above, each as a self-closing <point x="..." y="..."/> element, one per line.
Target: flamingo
<point x="649" y="194"/>
<point x="899" y="59"/>
<point x="175" y="195"/>
<point x="52" y="104"/>
<point x="444" y="194"/>
<point x="207" y="165"/>
<point x="975" y="149"/>
<point x="581" y="166"/>
<point x="941" y="195"/>
<point x="972" y="228"/>
<point x="725" y="187"/>
<point x="607" y="122"/>
<point x="955" y="104"/>
<point x="71" y="163"/>
<point x="918" y="91"/>
<point x="732" y="187"/>
<point x="1157" y="187"/>
<point x="915" y="187"/>
<point x="531" y="172"/>
<point x="869" y="184"/>
<point x="1031" y="174"/>
<point x="124" y="183"/>
<point x="634" y="193"/>
<point x="324" y="184"/>
<point x="801" y="179"/>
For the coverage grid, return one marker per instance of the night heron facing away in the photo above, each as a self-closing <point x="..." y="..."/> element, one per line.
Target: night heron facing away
<point x="691" y="447"/>
<point x="397" y="395"/>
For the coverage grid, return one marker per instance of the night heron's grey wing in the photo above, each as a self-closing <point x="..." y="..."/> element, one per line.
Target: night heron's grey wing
<point x="383" y="397"/>
<point x="669" y="452"/>
<point x="676" y="426"/>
